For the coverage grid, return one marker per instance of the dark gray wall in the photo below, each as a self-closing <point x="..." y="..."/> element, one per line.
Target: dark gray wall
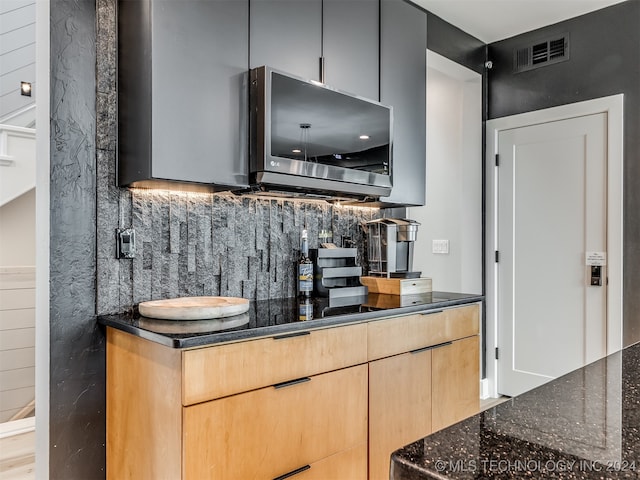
<point x="77" y="387"/>
<point x="604" y="60"/>
<point x="455" y="44"/>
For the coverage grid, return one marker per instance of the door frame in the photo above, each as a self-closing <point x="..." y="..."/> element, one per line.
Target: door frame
<point x="613" y="106"/>
<point x="43" y="180"/>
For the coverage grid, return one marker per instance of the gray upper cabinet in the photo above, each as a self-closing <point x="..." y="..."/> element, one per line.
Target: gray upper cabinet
<point x="182" y="93"/>
<point x="292" y="36"/>
<point x="350" y="46"/>
<point x="403" y="73"/>
<point x="287" y="35"/>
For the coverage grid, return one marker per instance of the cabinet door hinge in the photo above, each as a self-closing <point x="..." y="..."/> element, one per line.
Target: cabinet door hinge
<point x="497" y="356"/>
<point x="497" y="256"/>
<point x="497" y="160"/>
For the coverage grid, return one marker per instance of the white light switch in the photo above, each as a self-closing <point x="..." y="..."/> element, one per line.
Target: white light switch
<point x="440" y="246"/>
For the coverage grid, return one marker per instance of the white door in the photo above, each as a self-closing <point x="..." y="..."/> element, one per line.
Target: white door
<point x="552" y="210"/>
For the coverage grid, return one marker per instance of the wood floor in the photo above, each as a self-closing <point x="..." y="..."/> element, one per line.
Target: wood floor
<point x="17" y="457"/>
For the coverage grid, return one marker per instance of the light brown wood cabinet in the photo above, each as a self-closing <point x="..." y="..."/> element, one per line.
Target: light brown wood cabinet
<point x="273" y="431"/>
<point x="224" y="370"/>
<point x="322" y="404"/>
<point x="455" y="382"/>
<point x="255" y="409"/>
<point x="428" y="378"/>
<point x="399" y="406"/>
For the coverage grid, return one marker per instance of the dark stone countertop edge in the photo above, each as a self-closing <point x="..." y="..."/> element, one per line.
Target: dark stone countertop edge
<point x="478" y="447"/>
<point x="274" y="330"/>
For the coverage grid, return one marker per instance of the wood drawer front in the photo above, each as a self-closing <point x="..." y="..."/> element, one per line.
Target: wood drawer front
<point x="455" y="389"/>
<point x="399" y="406"/>
<point x="219" y="371"/>
<point x="348" y="465"/>
<point x="403" y="334"/>
<point x="269" y="432"/>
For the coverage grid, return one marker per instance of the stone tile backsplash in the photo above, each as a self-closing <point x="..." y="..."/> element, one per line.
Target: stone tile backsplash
<point x="214" y="244"/>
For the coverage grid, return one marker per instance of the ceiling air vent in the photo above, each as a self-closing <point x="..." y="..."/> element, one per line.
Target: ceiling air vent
<point x="541" y="54"/>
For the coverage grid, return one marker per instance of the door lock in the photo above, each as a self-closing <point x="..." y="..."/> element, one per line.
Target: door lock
<point x="596" y="275"/>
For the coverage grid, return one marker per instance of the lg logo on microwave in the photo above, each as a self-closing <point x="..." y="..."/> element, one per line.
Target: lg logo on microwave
<point x="275" y="164"/>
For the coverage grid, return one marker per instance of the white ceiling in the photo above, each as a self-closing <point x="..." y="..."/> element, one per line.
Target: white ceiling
<point x="492" y="20"/>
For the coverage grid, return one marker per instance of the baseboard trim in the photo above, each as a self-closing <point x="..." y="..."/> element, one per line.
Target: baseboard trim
<point x="484" y="389"/>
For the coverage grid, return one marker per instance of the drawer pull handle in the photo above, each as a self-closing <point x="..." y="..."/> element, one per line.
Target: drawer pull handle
<point x="444" y="344"/>
<point x="293" y="472"/>
<point x="431" y="347"/>
<point x="433" y="312"/>
<point x="290" y="335"/>
<point x="292" y="382"/>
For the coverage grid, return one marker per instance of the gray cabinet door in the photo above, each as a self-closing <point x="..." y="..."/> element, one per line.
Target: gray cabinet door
<point x="182" y="95"/>
<point x="199" y="95"/>
<point x="287" y="35"/>
<point x="403" y="73"/>
<point x="350" y="46"/>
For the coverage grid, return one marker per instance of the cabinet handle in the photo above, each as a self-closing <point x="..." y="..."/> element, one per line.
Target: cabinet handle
<point x="293" y="472"/>
<point x="321" y="69"/>
<point x="431" y="347"/>
<point x="441" y="345"/>
<point x="290" y="335"/>
<point x="292" y="382"/>
<point x="433" y="312"/>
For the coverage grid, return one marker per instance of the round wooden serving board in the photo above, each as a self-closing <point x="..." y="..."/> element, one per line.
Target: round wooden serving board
<point x="194" y="308"/>
<point x="193" y="326"/>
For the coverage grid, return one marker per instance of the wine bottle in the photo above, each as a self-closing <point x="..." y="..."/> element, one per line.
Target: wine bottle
<point x="305" y="269"/>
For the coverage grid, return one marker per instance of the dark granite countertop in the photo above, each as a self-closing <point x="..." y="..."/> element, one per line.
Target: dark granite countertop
<point x="280" y="316"/>
<point x="583" y="425"/>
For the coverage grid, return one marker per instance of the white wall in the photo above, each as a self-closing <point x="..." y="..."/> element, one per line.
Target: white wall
<point x="17" y="54"/>
<point x="454" y="179"/>
<point x="17" y="161"/>
<point x="17" y="304"/>
<point x="17" y="213"/>
<point x="18" y="231"/>
<point x="43" y="169"/>
<point x="17" y="341"/>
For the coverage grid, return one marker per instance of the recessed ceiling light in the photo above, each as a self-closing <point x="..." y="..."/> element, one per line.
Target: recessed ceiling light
<point x="296" y="150"/>
<point x="364" y="137"/>
<point x="25" y="89"/>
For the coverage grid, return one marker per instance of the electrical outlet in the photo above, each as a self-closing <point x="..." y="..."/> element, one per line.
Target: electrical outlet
<point x="440" y="246"/>
<point x="126" y="243"/>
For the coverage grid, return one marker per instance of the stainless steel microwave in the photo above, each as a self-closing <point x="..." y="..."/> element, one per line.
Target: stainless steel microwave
<point x="309" y="138"/>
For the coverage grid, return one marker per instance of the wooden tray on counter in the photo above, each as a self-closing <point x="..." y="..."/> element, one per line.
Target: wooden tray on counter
<point x="397" y="286"/>
<point x="194" y="308"/>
